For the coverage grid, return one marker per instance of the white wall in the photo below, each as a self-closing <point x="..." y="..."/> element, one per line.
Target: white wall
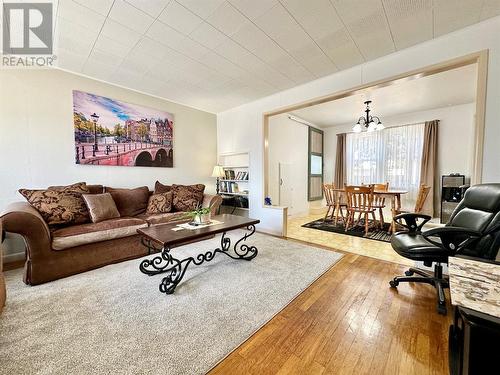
<point x="288" y="144"/>
<point x="456" y="127"/>
<point x="37" y="141"/>
<point x="242" y="127"/>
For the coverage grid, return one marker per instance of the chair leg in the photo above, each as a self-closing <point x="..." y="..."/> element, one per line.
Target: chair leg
<point x="348" y="220"/>
<point x="381" y="215"/>
<point x="376" y="223"/>
<point x="327" y="212"/>
<point x="366" y="223"/>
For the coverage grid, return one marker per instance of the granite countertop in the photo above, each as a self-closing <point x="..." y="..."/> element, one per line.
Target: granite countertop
<point x="475" y="285"/>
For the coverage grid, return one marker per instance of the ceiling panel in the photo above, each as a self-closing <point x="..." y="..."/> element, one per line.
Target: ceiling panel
<point x="180" y="18"/>
<point x="204" y="8"/>
<point x="120" y="33"/>
<point x="282" y="28"/>
<point x="126" y="14"/>
<point x="410" y="21"/>
<point x="107" y="44"/>
<point x="253" y="9"/>
<point x="450" y="15"/>
<point x="100" y="6"/>
<point x="227" y="19"/>
<point x="367" y="24"/>
<point x="207" y="35"/>
<point x="164" y="34"/>
<point x="490" y="8"/>
<point x="151" y="7"/>
<point x="80" y="15"/>
<point x="320" y="20"/>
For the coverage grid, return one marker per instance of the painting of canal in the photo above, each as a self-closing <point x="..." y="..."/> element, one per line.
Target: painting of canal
<point x="112" y="132"/>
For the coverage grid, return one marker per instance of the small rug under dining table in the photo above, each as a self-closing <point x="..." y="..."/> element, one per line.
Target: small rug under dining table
<point x="357" y="231"/>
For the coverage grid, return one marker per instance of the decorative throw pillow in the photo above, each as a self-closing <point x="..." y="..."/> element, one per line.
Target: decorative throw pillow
<point x="101" y="207"/>
<point x="160" y="188"/>
<point x="160" y="203"/>
<point x="187" y="197"/>
<point x="59" y="204"/>
<point x="130" y="202"/>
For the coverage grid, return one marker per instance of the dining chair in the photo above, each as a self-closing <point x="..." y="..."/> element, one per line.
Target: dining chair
<point x="379" y="201"/>
<point x="333" y="203"/>
<point x="423" y="192"/>
<point x="359" y="200"/>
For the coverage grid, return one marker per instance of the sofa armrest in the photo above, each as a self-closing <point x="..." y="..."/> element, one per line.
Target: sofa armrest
<point x="23" y="219"/>
<point x="213" y="201"/>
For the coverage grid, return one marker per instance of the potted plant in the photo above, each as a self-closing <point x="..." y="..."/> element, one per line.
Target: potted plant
<point x="201" y="215"/>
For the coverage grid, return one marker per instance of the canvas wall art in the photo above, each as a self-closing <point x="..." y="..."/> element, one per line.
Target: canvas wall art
<point x="112" y="132"/>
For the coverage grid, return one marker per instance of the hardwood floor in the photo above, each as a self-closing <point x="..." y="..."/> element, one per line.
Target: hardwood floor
<point x="350" y="322"/>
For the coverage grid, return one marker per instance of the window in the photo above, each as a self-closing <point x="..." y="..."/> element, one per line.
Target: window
<point x="391" y="155"/>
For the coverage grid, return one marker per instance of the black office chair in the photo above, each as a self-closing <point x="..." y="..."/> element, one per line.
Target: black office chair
<point x="473" y="229"/>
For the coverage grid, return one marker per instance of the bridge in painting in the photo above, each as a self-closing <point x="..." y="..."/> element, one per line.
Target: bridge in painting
<point x="141" y="154"/>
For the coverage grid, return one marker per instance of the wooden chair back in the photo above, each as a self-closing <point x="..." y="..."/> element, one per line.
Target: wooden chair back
<point x="330" y="196"/>
<point x="423" y="192"/>
<point x="381" y="187"/>
<point x="378" y="200"/>
<point x="359" y="197"/>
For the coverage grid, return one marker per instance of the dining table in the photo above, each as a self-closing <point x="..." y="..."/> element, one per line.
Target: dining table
<point x="393" y="194"/>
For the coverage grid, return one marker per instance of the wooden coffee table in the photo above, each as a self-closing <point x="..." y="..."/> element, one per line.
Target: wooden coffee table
<point x="166" y="238"/>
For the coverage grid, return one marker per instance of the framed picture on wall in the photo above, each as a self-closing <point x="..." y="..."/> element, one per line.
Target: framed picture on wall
<point x="112" y="132"/>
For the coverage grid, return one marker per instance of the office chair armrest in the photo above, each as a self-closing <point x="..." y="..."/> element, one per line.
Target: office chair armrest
<point x="410" y="220"/>
<point x="453" y="239"/>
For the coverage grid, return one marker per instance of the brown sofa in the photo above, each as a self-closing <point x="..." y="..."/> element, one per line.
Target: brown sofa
<point x="55" y="253"/>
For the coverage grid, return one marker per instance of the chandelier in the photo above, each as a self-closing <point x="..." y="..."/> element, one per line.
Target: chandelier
<point x="368" y="123"/>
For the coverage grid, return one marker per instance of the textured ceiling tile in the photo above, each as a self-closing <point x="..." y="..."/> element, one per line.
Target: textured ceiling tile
<point x="253" y="8"/>
<point x="151" y="7"/>
<point x="410" y="21"/>
<point x="208" y="35"/>
<point x="367" y="24"/>
<point x="100" y="6"/>
<point x="165" y="34"/>
<point x="107" y="44"/>
<point x="227" y="19"/>
<point x="451" y="15"/>
<point x="120" y="33"/>
<point x="126" y="14"/>
<point x="180" y="18"/>
<point x="203" y="8"/>
<point x="80" y="15"/>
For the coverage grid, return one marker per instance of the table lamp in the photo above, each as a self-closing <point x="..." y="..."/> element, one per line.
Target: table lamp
<point x="218" y="172"/>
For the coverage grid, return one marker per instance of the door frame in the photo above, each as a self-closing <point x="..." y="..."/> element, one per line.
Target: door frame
<point x="310" y="130"/>
<point x="480" y="58"/>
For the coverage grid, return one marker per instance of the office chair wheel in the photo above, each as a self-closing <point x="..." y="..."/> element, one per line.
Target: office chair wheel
<point x="441" y="309"/>
<point x="393" y="283"/>
<point x="409" y="273"/>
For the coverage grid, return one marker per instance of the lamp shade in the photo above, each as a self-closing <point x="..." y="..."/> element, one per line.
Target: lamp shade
<point x="218" y="171"/>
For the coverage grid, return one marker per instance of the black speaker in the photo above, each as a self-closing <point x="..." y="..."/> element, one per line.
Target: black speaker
<point x="452" y="191"/>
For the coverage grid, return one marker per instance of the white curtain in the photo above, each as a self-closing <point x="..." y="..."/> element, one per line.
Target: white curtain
<point x="391" y="155"/>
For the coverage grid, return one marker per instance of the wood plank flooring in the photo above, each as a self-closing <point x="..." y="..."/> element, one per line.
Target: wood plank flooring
<point x="350" y="322"/>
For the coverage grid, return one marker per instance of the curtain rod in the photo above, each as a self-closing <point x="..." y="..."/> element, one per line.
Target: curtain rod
<point x="396" y="126"/>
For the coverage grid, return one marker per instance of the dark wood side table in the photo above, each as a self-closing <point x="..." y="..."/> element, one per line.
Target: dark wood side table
<point x="167" y="238"/>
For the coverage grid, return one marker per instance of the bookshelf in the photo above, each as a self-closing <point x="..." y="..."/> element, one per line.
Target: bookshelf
<point x="234" y="187"/>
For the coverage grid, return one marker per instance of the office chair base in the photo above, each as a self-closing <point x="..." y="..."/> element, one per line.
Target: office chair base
<point x="435" y="279"/>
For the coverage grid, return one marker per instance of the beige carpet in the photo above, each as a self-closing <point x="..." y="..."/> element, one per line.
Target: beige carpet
<point x="113" y="320"/>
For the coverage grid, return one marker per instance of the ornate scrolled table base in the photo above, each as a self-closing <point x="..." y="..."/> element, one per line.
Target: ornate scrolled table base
<point x="176" y="268"/>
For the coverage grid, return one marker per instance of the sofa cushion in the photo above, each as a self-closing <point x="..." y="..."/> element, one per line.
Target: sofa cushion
<point x="83" y="234"/>
<point x="160" y="188"/>
<point x="187" y="197"/>
<point x="154" y="219"/>
<point x="59" y="205"/>
<point x="101" y="207"/>
<point x="160" y="203"/>
<point x="130" y="202"/>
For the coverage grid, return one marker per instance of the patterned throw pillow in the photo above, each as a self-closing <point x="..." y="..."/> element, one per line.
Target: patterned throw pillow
<point x="160" y="203"/>
<point x="187" y="197"/>
<point x="160" y="188"/>
<point x="59" y="204"/>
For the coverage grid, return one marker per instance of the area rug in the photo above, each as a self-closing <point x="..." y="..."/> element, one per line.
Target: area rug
<point x="114" y="320"/>
<point x="358" y="231"/>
